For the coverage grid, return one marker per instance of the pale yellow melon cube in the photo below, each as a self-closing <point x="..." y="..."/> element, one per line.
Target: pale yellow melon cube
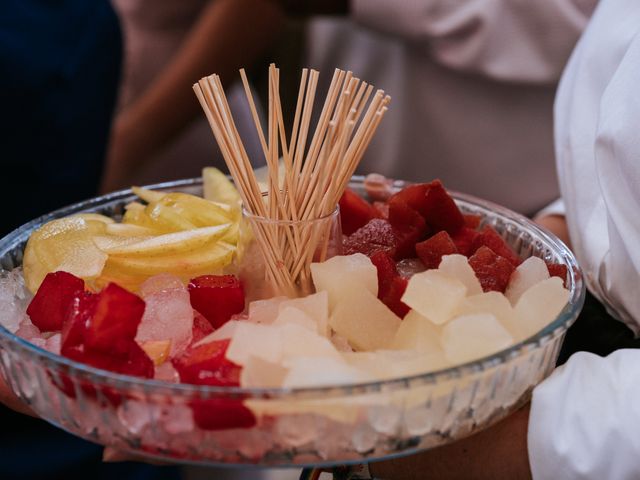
<point x="292" y="315"/>
<point x="494" y="303"/>
<point x="323" y="371"/>
<point x="315" y="306"/>
<point x="417" y="333"/>
<point x="457" y="266"/>
<point x="364" y="321"/>
<point x="253" y="339"/>
<point x="341" y="275"/>
<point x="470" y="337"/>
<point x="298" y="341"/>
<point x="265" y="311"/>
<point x="540" y="305"/>
<point x="260" y="373"/>
<point x="530" y="272"/>
<point x="434" y="295"/>
<point x="227" y="330"/>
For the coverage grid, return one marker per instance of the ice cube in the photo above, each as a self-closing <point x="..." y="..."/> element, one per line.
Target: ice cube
<point x="408" y="267"/>
<point x="265" y="311"/>
<point x="417" y="333"/>
<point x="540" y="305"/>
<point x="315" y="306"/>
<point x="525" y="276"/>
<point x="457" y="266"/>
<point x="343" y="274"/>
<point x="168" y="314"/>
<point x="259" y="373"/>
<point x="364" y="321"/>
<point x="469" y="337"/>
<point x="434" y="295"/>
<point x="252" y="339"/>
<point x="29" y="331"/>
<point x="319" y="371"/>
<point x="14" y="299"/>
<point x="292" y="315"/>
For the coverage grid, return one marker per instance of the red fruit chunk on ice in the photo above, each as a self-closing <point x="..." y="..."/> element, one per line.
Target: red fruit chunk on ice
<point x="134" y="361"/>
<point x="393" y="295"/>
<point x="355" y="211"/>
<point x="493" y="271"/>
<point x="409" y="227"/>
<point x="114" y="324"/>
<point x="221" y="414"/>
<point x="208" y="365"/>
<point x="77" y="321"/>
<point x="217" y="297"/>
<point x="376" y="236"/>
<point x="488" y="237"/>
<point x="387" y="271"/>
<point x="440" y="211"/>
<point x="201" y="327"/>
<point x="49" y="307"/>
<point x="415" y="196"/>
<point x="433" y="249"/>
<point x="558" y="270"/>
<point x="471" y="221"/>
<point x="463" y="240"/>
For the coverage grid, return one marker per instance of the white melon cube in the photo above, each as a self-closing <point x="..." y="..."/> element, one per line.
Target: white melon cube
<point x="259" y="373"/>
<point x="540" y="305"/>
<point x="525" y="276"/>
<point x="341" y="275"/>
<point x="315" y="306"/>
<point x="434" y="295"/>
<point x="295" y="316"/>
<point x="457" y="266"/>
<point x="319" y="371"/>
<point x="386" y="364"/>
<point x="417" y="333"/>
<point x="253" y="339"/>
<point x="265" y="311"/>
<point x="299" y="341"/>
<point x="364" y="321"/>
<point x="494" y="303"/>
<point x="470" y="337"/>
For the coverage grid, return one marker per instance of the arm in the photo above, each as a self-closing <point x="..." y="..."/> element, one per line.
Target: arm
<point x="229" y="34"/>
<point x="518" y="41"/>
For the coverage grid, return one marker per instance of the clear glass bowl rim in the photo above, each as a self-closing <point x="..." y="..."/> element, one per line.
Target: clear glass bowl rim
<point x="125" y="382"/>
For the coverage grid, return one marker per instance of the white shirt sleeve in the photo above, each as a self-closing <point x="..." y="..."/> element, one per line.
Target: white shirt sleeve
<point x="585" y="418"/>
<point x="519" y="41"/>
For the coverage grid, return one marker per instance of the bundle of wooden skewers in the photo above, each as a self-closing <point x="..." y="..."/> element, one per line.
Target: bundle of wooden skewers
<point x="292" y="220"/>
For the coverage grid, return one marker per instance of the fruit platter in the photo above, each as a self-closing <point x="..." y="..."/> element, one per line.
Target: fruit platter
<point x="209" y="321"/>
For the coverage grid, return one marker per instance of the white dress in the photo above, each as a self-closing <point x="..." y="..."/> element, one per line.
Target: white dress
<point x="585" y="419"/>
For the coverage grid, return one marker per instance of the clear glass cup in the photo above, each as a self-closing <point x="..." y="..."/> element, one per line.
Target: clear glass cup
<point x="283" y="250"/>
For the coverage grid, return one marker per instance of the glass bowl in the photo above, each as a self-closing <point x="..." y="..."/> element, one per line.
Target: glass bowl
<point x="295" y="427"/>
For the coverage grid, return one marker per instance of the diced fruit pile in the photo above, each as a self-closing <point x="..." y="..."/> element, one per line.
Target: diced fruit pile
<point x="421" y="286"/>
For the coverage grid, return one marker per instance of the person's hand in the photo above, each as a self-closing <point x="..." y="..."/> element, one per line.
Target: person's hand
<point x="556" y="224"/>
<point x="500" y="452"/>
<point x="8" y="399"/>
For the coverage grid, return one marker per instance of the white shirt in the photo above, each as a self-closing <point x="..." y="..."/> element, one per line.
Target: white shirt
<point x="585" y="419"/>
<point x="472" y="85"/>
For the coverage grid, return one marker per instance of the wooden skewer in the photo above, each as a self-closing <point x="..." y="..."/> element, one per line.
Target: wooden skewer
<point x="297" y="215"/>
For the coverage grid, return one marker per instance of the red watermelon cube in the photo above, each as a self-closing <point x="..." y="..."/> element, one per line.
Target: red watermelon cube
<point x="217" y="297"/>
<point x="208" y="365"/>
<point x="433" y="249"/>
<point x="415" y="196"/>
<point x="558" y="270"/>
<point x="376" y="236"/>
<point x="440" y="210"/>
<point x="49" y="306"/>
<point x="488" y="237"/>
<point x="492" y="270"/>
<point x="463" y="240"/>
<point x="77" y="321"/>
<point x="355" y="212"/>
<point x="393" y="294"/>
